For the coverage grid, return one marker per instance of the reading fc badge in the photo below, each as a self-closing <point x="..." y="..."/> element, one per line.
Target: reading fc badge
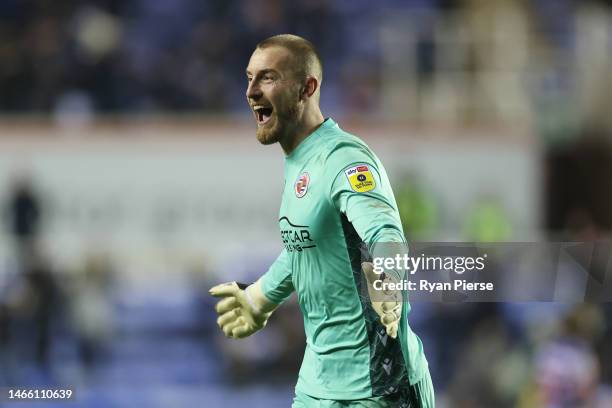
<point x="301" y="185"/>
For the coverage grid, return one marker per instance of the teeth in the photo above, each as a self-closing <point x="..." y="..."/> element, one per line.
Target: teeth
<point x="260" y="115"/>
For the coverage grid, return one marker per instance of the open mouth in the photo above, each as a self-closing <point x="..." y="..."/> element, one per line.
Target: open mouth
<point x="262" y="114"/>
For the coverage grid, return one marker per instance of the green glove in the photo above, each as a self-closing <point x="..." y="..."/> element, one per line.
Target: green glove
<point x="242" y="310"/>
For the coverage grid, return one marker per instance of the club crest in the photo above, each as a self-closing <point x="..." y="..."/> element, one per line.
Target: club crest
<point x="301" y="185"/>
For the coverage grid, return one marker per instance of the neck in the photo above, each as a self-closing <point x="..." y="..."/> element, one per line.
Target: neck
<point x="311" y="120"/>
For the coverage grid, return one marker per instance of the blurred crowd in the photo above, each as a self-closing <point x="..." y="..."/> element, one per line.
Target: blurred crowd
<point x="143" y="56"/>
<point x="457" y="61"/>
<point x="37" y="301"/>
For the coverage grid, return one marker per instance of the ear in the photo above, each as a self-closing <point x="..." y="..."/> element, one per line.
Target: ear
<point x="309" y="87"/>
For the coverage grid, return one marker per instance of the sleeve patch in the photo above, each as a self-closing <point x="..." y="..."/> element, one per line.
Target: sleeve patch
<point x="360" y="178"/>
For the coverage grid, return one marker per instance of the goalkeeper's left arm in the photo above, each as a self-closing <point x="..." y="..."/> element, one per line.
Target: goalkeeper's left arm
<point x="374" y="216"/>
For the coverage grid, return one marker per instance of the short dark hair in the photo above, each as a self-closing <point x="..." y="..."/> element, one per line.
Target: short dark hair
<point x="307" y="59"/>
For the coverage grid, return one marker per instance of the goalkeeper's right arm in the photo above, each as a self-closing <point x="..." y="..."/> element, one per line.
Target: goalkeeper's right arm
<point x="243" y="310"/>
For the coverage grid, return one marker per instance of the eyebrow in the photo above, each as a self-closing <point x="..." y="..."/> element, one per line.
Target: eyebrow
<point x="264" y="71"/>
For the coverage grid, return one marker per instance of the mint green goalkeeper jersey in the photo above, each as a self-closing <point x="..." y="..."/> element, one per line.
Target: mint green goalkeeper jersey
<point x="337" y="203"/>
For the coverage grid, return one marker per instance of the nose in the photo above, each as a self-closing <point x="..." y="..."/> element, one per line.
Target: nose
<point x="253" y="90"/>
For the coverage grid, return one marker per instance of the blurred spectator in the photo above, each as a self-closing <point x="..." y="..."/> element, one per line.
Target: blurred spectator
<point x="24" y="216"/>
<point x="91" y="308"/>
<point x="487" y="221"/>
<point x="490" y="367"/>
<point x="42" y="298"/>
<point x="566" y="369"/>
<point x="418" y="208"/>
<point x="28" y="311"/>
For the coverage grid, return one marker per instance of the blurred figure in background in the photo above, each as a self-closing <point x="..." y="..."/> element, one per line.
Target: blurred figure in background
<point x="487" y="221"/>
<point x="31" y="292"/>
<point x="418" y="208"/>
<point x="24" y="215"/>
<point x="91" y="309"/>
<point x="29" y="310"/>
<point x="566" y="372"/>
<point x="42" y="301"/>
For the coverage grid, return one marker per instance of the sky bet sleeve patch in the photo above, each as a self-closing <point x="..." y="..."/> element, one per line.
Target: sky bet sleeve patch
<point x="360" y="178"/>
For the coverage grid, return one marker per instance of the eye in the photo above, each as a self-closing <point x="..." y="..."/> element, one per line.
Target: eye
<point x="268" y="77"/>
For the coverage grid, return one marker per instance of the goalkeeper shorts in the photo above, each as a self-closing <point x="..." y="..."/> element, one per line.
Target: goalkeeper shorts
<point x="419" y="395"/>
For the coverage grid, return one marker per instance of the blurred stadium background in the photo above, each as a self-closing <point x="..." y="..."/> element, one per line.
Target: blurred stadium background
<point x="131" y="181"/>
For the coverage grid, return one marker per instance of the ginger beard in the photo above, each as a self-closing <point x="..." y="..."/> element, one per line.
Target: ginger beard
<point x="283" y="120"/>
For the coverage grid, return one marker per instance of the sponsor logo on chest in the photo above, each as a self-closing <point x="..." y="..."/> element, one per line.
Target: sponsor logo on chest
<point x="296" y="238"/>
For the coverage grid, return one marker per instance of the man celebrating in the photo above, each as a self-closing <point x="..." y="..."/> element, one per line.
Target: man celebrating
<point x="337" y="209"/>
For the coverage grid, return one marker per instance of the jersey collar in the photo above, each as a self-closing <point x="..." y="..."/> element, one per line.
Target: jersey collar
<point x="303" y="147"/>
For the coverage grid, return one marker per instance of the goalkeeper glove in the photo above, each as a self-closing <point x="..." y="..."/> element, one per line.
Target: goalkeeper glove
<point x="243" y="310"/>
<point x="390" y="308"/>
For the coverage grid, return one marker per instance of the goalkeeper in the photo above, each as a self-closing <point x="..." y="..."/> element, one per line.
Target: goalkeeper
<point x="337" y="211"/>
